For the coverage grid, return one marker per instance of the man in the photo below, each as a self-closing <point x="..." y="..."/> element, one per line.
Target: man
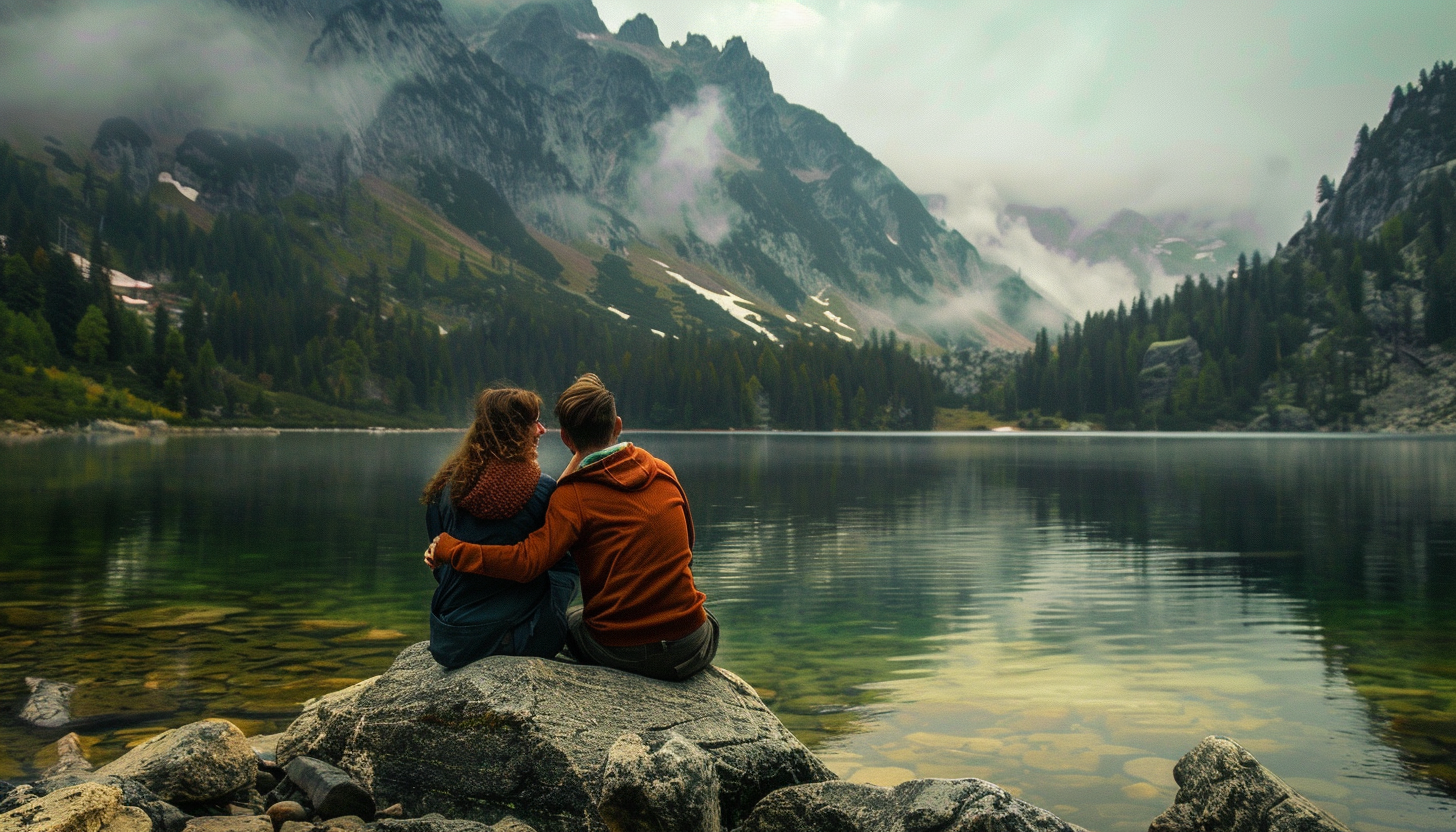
<point x="624" y="517"/>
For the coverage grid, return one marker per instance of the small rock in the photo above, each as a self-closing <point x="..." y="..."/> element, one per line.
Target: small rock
<point x="70" y="757"/>
<point x="85" y="807"/>
<point x="286" y="810"/>
<point x="197" y="763"/>
<point x="296" y="826"/>
<point x="49" y="705"/>
<point x="225" y="823"/>
<point x="1221" y="786"/>
<point x="344" y="823"/>
<point x="435" y="822"/>
<point x="332" y="792"/>
<point x="129" y="819"/>
<point x="394" y="810"/>
<point x="164" y="816"/>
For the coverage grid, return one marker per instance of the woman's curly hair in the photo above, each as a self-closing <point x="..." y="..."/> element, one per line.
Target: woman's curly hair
<point x="504" y="430"/>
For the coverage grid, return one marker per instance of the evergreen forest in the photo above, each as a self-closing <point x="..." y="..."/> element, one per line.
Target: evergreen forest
<point x="285" y="319"/>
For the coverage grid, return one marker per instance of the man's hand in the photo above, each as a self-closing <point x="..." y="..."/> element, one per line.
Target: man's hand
<point x="430" y="554"/>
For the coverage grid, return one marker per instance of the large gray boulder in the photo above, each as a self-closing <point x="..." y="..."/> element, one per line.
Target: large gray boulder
<point x="530" y="738"/>
<point x="968" y="805"/>
<point x="1222" y="787"/>
<point x="198" y="763"/>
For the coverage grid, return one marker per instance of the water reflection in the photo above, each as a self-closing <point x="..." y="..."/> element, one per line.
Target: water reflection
<point x="1063" y="615"/>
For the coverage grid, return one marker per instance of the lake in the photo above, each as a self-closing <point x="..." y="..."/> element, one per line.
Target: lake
<point x="1064" y="615"/>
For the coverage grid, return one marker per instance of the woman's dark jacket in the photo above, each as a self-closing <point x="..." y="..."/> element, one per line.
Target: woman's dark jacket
<point x="472" y="616"/>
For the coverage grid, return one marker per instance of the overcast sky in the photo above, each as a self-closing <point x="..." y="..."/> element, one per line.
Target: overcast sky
<point x="1210" y="107"/>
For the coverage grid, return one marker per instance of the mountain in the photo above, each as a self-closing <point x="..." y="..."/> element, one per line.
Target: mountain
<point x="615" y="142"/>
<point x="1150" y="247"/>
<point x="1349" y="326"/>
<point x="1414" y="142"/>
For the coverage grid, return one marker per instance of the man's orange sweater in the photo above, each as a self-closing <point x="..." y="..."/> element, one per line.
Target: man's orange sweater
<point x="626" y="522"/>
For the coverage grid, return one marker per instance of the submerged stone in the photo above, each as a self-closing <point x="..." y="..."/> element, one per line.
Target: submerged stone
<point x="916" y="806"/>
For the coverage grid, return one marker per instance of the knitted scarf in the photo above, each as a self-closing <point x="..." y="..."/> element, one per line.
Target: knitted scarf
<point x="502" y="489"/>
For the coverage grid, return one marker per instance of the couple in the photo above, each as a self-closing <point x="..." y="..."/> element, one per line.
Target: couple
<point x="509" y="544"/>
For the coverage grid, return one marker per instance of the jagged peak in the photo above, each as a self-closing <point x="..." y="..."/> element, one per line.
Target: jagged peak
<point x="641" y="30"/>
<point x="696" y="49"/>
<point x="386" y="32"/>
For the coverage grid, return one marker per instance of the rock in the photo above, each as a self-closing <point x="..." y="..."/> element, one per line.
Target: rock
<point x="915" y="806"/>
<point x="1221" y="786"/>
<point x="197" y="763"/>
<point x="122" y="145"/>
<point x="70" y="757"/>
<point x="266" y="781"/>
<point x="440" y="823"/>
<point x="344" y="823"/>
<point x="1284" y="418"/>
<point x="266" y="747"/>
<point x="394" y="810"/>
<point x="164" y="816"/>
<point x="6" y="789"/>
<point x="49" y="705"/>
<point x="671" y="787"/>
<point x="85" y="807"/>
<point x="1162" y="363"/>
<point x="129" y="819"/>
<point x="286" y="810"/>
<point x="332" y="792"/>
<point x="230" y="823"/>
<point x="296" y="826"/>
<point x="419" y="735"/>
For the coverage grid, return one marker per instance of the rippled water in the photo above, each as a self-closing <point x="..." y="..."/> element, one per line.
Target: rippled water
<point x="1063" y="615"/>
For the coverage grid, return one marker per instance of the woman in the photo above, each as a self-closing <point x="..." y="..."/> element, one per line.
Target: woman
<point x="491" y="490"/>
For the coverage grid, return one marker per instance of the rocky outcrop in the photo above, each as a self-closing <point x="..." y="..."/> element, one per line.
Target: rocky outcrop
<point x="233" y="172"/>
<point x="641" y="30"/>
<point x="419" y="735"/>
<point x="1417" y="134"/>
<point x="122" y="145"/>
<point x="1162" y="364"/>
<point x="197" y="763"/>
<point x="1221" y="786"/>
<point x="917" y="806"/>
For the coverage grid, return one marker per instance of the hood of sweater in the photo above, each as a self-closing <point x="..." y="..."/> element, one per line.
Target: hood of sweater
<point x="630" y="469"/>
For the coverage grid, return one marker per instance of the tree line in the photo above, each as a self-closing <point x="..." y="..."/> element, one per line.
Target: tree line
<point x="1315" y="327"/>
<point x="253" y="310"/>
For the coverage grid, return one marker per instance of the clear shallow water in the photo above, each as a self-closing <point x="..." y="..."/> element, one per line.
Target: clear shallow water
<point x="1063" y="615"/>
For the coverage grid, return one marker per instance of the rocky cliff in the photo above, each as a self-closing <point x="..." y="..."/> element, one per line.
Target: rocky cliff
<point x="1416" y="137"/>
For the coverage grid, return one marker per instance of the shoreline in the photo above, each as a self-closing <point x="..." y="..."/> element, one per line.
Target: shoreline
<point x="18" y="432"/>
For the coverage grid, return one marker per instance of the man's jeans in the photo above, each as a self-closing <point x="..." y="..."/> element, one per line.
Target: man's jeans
<point x="672" y="661"/>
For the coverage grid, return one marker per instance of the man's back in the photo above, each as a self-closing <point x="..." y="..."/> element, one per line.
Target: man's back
<point x="634" y="548"/>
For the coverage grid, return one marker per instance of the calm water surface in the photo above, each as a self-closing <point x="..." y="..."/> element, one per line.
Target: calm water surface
<point x="1062" y="615"/>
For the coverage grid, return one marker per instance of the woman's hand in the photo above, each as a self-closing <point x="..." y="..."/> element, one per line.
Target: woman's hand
<point x="430" y="553"/>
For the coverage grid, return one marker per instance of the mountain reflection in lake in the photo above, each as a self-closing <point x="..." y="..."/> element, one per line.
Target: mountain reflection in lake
<point x="1062" y="615"/>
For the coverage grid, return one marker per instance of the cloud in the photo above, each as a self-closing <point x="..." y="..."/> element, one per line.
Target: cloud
<point x="676" y="189"/>
<point x="202" y="60"/>
<point x="1076" y="285"/>
<point x="1097" y="107"/>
